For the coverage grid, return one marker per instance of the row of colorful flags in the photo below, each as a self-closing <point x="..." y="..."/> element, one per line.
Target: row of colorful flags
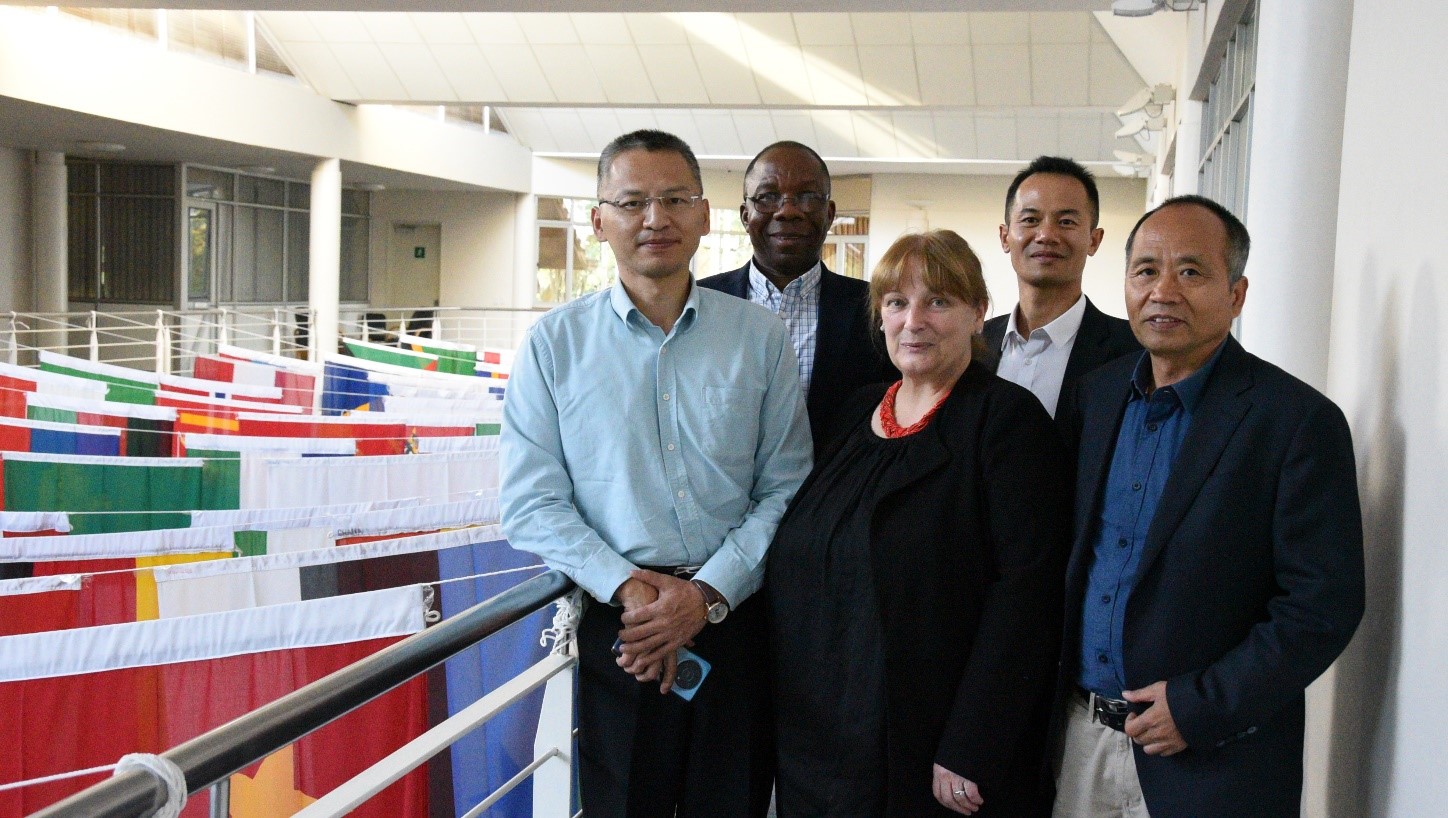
<point x="178" y="551"/>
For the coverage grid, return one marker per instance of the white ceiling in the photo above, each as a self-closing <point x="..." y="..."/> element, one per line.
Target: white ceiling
<point x="957" y="86"/>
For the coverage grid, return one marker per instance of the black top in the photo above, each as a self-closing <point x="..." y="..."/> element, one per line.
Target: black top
<point x="832" y="739"/>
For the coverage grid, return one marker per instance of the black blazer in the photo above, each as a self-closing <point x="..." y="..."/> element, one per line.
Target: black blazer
<point x="968" y="550"/>
<point x="1250" y="584"/>
<point x="1102" y="338"/>
<point x="847" y="356"/>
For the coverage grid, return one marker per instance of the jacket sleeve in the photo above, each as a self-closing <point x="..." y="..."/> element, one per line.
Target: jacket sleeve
<point x="1317" y="559"/>
<point x="1024" y="488"/>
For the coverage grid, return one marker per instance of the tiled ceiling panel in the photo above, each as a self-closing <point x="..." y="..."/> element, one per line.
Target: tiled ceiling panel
<point x="938" y="86"/>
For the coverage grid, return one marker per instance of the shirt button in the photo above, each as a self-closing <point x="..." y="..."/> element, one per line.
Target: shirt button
<point x="1102" y="659"/>
<point x="1121" y="543"/>
<point x="671" y="447"/>
<point x="1151" y="427"/>
<point x="1134" y="486"/>
<point x="666" y="396"/>
<point x="1106" y="597"/>
<point x="681" y="492"/>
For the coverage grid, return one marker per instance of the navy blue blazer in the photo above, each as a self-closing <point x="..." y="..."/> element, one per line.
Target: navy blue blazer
<point x="1101" y="339"/>
<point x="847" y="355"/>
<point x="1250" y="584"/>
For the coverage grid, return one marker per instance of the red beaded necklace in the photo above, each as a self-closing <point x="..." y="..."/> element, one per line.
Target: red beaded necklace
<point x="892" y="427"/>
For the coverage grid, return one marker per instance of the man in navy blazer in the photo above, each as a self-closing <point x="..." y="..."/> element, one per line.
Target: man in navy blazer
<point x="1217" y="564"/>
<point x="787" y="211"/>
<point x="1055" y="334"/>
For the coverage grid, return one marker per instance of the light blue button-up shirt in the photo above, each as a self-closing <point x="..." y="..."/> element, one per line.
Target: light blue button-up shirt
<point x="623" y="446"/>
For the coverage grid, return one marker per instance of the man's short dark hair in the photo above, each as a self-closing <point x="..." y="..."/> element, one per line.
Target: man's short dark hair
<point x="791" y="144"/>
<point x="648" y="140"/>
<point x="1060" y="166"/>
<point x="1239" y="243"/>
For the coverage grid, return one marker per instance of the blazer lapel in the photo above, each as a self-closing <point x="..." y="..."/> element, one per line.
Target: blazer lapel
<point x="1223" y="405"/>
<point x="1101" y="419"/>
<point x="1091" y="336"/>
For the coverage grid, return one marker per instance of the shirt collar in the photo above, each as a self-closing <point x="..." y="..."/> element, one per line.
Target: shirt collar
<point x="759" y="283"/>
<point x="1060" y="331"/>
<point x="1188" y="390"/>
<point x="623" y="306"/>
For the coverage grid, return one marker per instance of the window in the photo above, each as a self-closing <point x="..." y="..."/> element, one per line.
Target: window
<point x="847" y="245"/>
<point x="1227" y="120"/>
<point x="121" y="232"/>
<point x="726" y="247"/>
<point x="571" y="261"/>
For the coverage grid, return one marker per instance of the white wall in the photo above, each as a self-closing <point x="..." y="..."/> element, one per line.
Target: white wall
<point x="15" y="275"/>
<point x="973" y="206"/>
<point x="478" y="246"/>
<point x="1389" y="372"/>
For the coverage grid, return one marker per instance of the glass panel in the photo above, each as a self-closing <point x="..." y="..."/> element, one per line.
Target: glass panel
<point x="207" y="33"/>
<point x="81" y="177"/>
<point x="299" y="195"/>
<point x="267" y="58"/>
<point x="198" y="275"/>
<point x="260" y="190"/>
<point x="354" y="202"/>
<point x="299" y="232"/>
<point x="81" y="247"/>
<point x="594" y="268"/>
<point x="552" y="265"/>
<point x="853" y="263"/>
<point x="354" y="259"/>
<point x="138" y="246"/>
<point x="204" y="183"/>
<point x="552" y="209"/>
<point x="269" y="237"/>
<point x="140" y="180"/>
<point x="141" y="22"/>
<point x="828" y="256"/>
<point x="243" y="256"/>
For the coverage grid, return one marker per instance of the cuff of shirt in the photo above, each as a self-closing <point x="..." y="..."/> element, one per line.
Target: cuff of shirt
<point x="727" y="580"/>
<point x="602" y="575"/>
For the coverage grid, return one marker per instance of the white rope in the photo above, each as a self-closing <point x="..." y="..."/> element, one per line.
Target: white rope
<point x="30" y="782"/>
<point x="565" y="623"/>
<point x="165" y="770"/>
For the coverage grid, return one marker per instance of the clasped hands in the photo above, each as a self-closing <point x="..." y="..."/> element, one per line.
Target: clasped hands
<point x="661" y="614"/>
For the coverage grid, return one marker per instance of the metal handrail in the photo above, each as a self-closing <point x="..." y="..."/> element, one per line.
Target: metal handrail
<point x="215" y="755"/>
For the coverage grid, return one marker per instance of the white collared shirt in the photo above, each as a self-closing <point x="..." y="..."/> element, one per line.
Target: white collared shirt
<point x="798" y="305"/>
<point x="1039" y="362"/>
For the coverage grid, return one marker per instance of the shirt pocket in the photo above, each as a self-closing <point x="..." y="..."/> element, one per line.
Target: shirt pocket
<point x="731" y="425"/>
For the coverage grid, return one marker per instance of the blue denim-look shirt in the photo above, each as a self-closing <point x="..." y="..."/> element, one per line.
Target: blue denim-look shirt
<point x="623" y="446"/>
<point x="1151" y="434"/>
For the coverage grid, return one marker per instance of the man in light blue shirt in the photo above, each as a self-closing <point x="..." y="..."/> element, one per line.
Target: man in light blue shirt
<point x="653" y="435"/>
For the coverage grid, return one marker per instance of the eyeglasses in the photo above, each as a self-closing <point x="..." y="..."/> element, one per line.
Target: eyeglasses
<point x="671" y="204"/>
<point x="772" y="202"/>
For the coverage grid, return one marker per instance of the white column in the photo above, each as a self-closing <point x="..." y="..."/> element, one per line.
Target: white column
<point x="49" y="257"/>
<point x="1188" y="156"/>
<point x="1292" y="196"/>
<point x="325" y="265"/>
<point x="1296" y="162"/>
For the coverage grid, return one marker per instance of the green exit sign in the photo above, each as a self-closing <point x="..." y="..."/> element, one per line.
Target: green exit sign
<point x="419" y="252"/>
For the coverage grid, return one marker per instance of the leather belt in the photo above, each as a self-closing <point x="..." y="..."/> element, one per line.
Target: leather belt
<point x="680" y="571"/>
<point x="1109" y="712"/>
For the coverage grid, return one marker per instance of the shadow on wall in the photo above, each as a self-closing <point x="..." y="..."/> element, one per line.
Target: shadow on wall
<point x="1365" y="707"/>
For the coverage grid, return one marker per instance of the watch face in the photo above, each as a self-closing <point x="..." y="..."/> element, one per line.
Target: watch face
<point x="717" y="612"/>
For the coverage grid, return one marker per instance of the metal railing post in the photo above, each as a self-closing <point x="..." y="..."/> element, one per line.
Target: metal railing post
<point x="163" y="345"/>
<point x="14" y="346"/>
<point x="276" y="333"/>
<point x="95" y="343"/>
<point x="221" y="799"/>
<point x="223" y="328"/>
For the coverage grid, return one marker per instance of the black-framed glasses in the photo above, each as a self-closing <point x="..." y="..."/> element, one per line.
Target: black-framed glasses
<point x="636" y="206"/>
<point x="771" y="202"/>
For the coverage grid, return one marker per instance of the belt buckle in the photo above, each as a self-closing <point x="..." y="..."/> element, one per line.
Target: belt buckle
<point x="1109" y="712"/>
<point x="687" y="571"/>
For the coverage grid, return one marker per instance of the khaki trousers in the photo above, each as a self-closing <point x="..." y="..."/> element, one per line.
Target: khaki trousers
<point x="1096" y="777"/>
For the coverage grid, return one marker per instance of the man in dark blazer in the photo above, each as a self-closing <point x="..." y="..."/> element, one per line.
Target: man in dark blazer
<point x="1217" y="563"/>
<point x="1055" y="334"/>
<point x="788" y="212"/>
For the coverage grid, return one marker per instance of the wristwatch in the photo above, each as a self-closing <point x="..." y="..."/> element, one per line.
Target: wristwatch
<point x="716" y="607"/>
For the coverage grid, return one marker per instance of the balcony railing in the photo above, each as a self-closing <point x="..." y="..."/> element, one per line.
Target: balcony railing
<point x="208" y="760"/>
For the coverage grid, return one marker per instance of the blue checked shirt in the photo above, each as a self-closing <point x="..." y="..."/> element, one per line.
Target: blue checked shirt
<point x="1147" y="444"/>
<point x="623" y="446"/>
<point x="799" y="306"/>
